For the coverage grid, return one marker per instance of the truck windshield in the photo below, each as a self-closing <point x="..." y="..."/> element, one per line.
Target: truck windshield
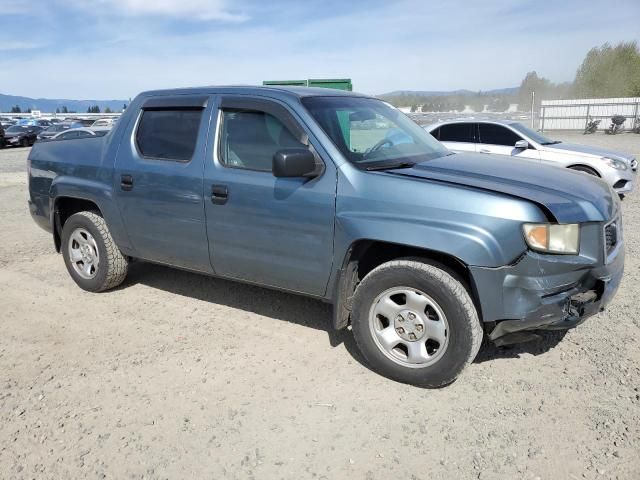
<point x="371" y="133"/>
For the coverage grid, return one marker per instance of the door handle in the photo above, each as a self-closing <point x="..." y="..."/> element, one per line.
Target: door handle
<point x="484" y="150"/>
<point x="219" y="194"/>
<point x="126" y="182"/>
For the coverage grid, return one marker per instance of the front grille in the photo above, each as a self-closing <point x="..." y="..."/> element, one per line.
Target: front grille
<point x="610" y="237"/>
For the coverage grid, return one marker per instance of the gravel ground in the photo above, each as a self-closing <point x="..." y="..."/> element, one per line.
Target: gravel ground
<point x="176" y="375"/>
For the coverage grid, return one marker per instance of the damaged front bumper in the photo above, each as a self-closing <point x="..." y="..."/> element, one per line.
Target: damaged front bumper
<point x="547" y="292"/>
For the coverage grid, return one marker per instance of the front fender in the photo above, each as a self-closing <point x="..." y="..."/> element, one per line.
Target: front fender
<point x="472" y="244"/>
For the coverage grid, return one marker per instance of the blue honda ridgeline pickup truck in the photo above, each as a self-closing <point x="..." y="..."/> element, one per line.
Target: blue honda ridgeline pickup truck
<point x="341" y="197"/>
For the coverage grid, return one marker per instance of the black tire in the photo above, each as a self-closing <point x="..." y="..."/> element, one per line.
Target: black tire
<point x="113" y="265"/>
<point x="464" y="333"/>
<point x="585" y="169"/>
<point x="24" y="142"/>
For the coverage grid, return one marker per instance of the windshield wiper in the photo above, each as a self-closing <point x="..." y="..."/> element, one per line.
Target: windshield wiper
<point x="391" y="166"/>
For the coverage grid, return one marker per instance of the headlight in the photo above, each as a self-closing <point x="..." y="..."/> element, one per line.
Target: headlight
<point x="613" y="163"/>
<point x="551" y="238"/>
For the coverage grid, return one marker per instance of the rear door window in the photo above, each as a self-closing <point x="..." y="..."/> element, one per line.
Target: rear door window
<point x="493" y="134"/>
<point x="169" y="134"/>
<point x="457" y="132"/>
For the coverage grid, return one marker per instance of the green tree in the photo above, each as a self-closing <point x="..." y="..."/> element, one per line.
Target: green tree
<point x="610" y="72"/>
<point x="107" y="110"/>
<point x="16" y="109"/>
<point x="65" y="109"/>
<point x="532" y="83"/>
<point x="414" y="108"/>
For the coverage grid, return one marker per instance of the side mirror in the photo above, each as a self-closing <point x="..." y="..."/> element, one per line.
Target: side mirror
<point x="294" y="162"/>
<point x="522" y="145"/>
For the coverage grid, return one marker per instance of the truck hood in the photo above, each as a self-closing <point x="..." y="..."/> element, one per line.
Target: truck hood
<point x="566" y="195"/>
<point x="587" y="150"/>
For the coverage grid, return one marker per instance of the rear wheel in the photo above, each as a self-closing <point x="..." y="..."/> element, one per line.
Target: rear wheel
<point x="415" y="323"/>
<point x="24" y="142"/>
<point x="91" y="256"/>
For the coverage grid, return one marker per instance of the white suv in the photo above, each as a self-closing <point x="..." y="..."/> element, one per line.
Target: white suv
<point x="504" y="137"/>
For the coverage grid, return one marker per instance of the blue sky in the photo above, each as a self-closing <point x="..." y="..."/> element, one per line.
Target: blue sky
<point x="102" y="49"/>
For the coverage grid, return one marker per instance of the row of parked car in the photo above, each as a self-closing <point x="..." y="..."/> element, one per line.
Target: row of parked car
<point x="25" y="132"/>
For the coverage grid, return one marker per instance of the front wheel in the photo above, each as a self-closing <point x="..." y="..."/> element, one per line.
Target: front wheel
<point x="91" y="256"/>
<point x="415" y="323"/>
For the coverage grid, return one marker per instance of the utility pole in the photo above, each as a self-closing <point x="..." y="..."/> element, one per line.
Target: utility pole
<point x="533" y="101"/>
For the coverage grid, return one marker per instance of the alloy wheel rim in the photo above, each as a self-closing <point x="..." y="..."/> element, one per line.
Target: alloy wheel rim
<point x="409" y="327"/>
<point x="83" y="253"/>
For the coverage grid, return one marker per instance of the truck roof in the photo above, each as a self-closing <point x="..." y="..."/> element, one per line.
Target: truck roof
<point x="297" y="92"/>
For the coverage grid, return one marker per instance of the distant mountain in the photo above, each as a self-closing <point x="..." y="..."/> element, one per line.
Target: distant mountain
<point x="440" y="93"/>
<point x="49" y="105"/>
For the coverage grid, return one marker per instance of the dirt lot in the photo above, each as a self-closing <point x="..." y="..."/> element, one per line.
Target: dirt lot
<point x="177" y="375"/>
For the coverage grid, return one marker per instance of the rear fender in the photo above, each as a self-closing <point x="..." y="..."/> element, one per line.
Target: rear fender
<point x="99" y="193"/>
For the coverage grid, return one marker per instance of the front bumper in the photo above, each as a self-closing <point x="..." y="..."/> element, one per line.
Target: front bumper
<point x="623" y="181"/>
<point x="546" y="292"/>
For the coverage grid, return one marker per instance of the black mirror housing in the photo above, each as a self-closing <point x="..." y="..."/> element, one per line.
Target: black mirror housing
<point x="294" y="162"/>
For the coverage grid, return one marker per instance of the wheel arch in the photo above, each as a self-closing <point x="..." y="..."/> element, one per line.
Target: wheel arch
<point x="63" y="208"/>
<point x="364" y="255"/>
<point x="584" y="165"/>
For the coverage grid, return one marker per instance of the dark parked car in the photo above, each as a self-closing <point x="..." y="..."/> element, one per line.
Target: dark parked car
<point x="21" y="135"/>
<point x="2" y="140"/>
<point x="339" y="197"/>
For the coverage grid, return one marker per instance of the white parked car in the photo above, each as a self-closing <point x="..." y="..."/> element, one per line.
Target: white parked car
<point x="505" y="137"/>
<point x="81" y="133"/>
<point x="105" y="122"/>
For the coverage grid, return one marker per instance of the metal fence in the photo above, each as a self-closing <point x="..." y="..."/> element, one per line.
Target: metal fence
<point x="575" y="114"/>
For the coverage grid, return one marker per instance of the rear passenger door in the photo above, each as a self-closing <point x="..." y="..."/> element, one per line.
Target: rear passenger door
<point x="459" y="137"/>
<point x="500" y="140"/>
<point x="158" y="181"/>
<point x="262" y="229"/>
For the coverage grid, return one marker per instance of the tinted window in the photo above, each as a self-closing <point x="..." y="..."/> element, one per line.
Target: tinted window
<point x="84" y="135"/>
<point x="497" y="135"/>
<point x="457" y="132"/>
<point x="249" y="139"/>
<point x="168" y="134"/>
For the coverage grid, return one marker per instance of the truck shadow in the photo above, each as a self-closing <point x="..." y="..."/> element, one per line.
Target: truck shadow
<point x="293" y="308"/>
<point x="269" y="303"/>
<point x="547" y="341"/>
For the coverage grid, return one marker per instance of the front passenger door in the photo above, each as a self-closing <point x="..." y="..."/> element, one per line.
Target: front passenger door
<point x="262" y="229"/>
<point x="500" y="140"/>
